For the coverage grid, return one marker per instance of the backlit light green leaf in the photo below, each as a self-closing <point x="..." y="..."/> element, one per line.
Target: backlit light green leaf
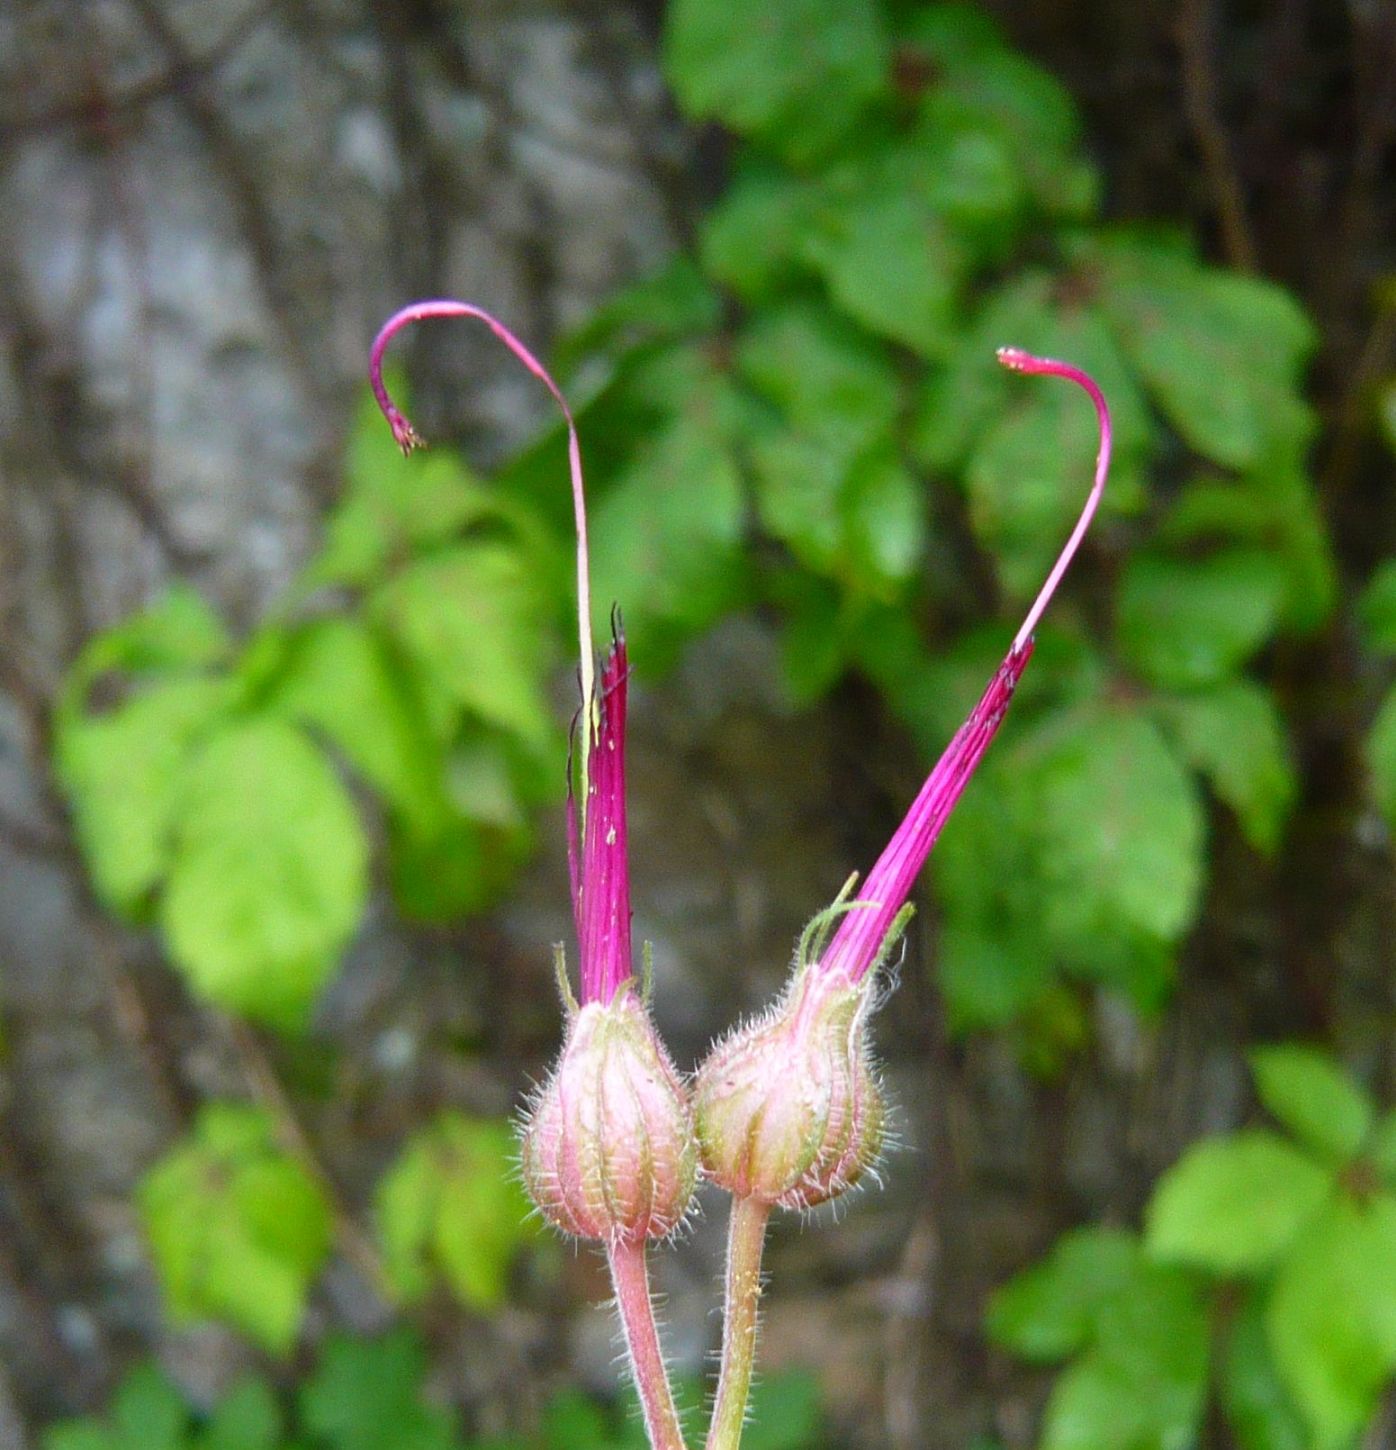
<point x="269" y="875"/>
<point x="238" y="1228"/>
<point x="1312" y="1096"/>
<point x="1233" y="1204"/>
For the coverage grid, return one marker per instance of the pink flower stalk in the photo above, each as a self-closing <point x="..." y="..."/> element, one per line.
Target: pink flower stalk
<point x="601" y="882"/>
<point x="862" y="935"/>
<point x="608" y="1145"/>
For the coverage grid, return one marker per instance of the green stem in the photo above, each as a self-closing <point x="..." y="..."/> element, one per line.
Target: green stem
<point x="746" y="1238"/>
<point x="631" y="1280"/>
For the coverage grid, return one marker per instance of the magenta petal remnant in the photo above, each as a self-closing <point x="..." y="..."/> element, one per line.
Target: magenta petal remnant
<point x="601" y="885"/>
<point x="863" y="933"/>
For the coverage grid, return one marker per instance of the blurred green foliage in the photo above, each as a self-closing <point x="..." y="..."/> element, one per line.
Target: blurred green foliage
<point x="212" y="781"/>
<point x="370" y="1394"/>
<point x="1267" y="1271"/>
<point x="802" y="416"/>
<point x="240" y="1226"/>
<point x="452" y="1207"/>
<point x="807" y="416"/>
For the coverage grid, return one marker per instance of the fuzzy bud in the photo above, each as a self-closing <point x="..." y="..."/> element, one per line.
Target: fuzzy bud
<point x="788" y="1109"/>
<point x="608" y="1146"/>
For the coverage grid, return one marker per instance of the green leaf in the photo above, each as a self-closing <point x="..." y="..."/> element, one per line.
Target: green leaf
<point x="122" y="771"/>
<point x="1380" y="751"/>
<point x="394" y="505"/>
<point x="1028" y="111"/>
<point x="1276" y="510"/>
<point x="890" y="260"/>
<point x="238" y="1228"/>
<point x="797" y="73"/>
<point x="862" y="523"/>
<point x="455" y="871"/>
<point x="1234" y="1204"/>
<point x="148" y="1411"/>
<point x="799" y="488"/>
<point x="85" y="1434"/>
<point x="785" y="1413"/>
<point x="954" y="36"/>
<point x="1053" y="1309"/>
<point x="451" y="1205"/>
<point x="1142" y="1384"/>
<point x="754" y="239"/>
<point x="1386" y="411"/>
<point x="1382" y="1148"/>
<point x="270" y="872"/>
<point x="667" y="539"/>
<point x="1376" y="610"/>
<point x="1258" y="1407"/>
<point x="1120" y="834"/>
<point x="1032" y="457"/>
<point x="971" y="391"/>
<point x="1311" y="573"/>
<point x="986" y="864"/>
<point x="178" y="632"/>
<point x="673" y="303"/>
<point x="814" y="641"/>
<point x="963" y="164"/>
<point x="1079" y="846"/>
<point x="471" y="619"/>
<point x="1233" y="734"/>
<point x="342" y="682"/>
<point x="989" y="977"/>
<point x="934" y="694"/>
<point x="1313" y="1098"/>
<point x="574" y="1421"/>
<point x="1222" y="353"/>
<point x="1189" y="623"/>
<point x="248" y="1418"/>
<point x="830" y="382"/>
<point x="1332" y="1317"/>
<point x="610" y="414"/>
<point x="367" y="1395"/>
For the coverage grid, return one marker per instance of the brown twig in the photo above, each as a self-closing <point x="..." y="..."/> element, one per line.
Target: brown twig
<point x="1376" y="355"/>
<point x="266" y="1087"/>
<point x="1194" y="35"/>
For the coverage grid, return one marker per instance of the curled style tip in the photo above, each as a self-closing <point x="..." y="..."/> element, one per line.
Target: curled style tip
<point x="407" y="437"/>
<point x="404" y="434"/>
<point x="1018" y="361"/>
<point x="864" y="937"/>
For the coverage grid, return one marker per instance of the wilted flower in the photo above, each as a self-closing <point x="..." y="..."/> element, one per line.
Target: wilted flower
<point x="788" y="1108"/>
<point x="608" y="1148"/>
<point x="608" y="1145"/>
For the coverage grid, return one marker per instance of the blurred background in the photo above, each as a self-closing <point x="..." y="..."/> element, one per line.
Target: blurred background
<point x="282" y="715"/>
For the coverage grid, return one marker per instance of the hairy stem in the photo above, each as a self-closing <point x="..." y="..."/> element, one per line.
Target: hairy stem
<point x="745" y="1240"/>
<point x="630" y="1277"/>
